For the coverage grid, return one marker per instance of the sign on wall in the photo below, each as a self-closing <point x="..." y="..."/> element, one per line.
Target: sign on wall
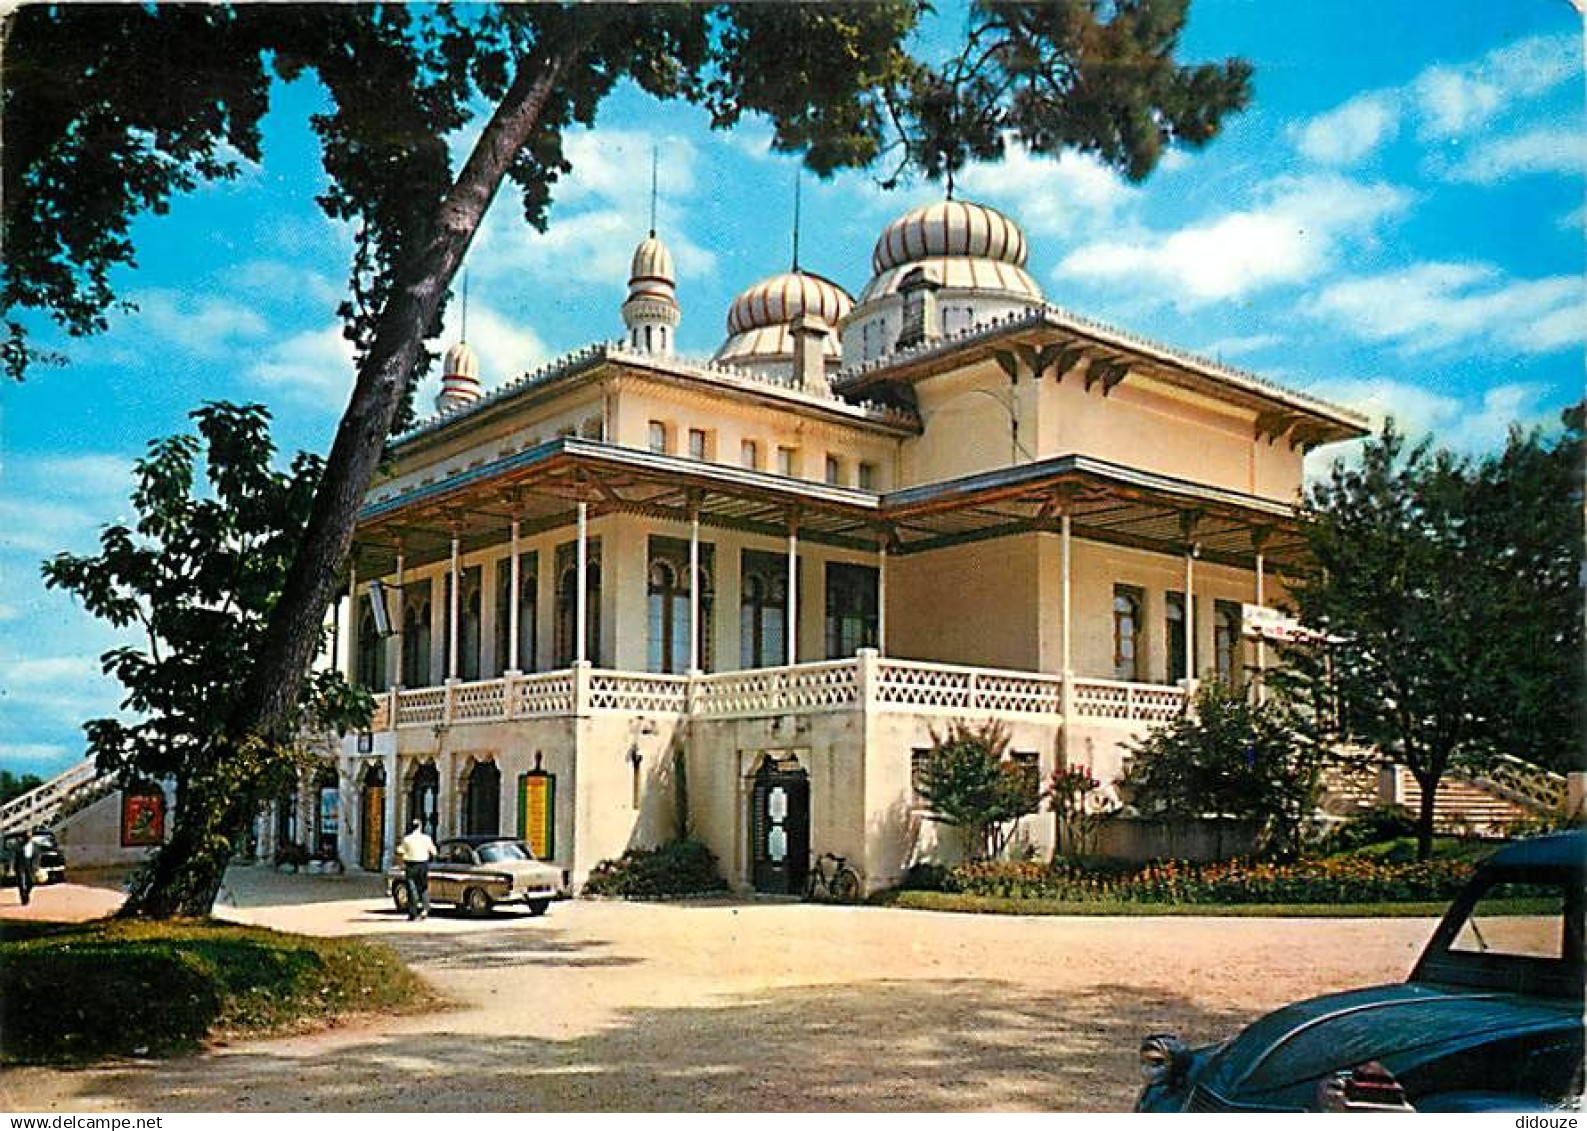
<point x="537" y="822"/>
<point x="1262" y="623"/>
<point x="142" y="819"/>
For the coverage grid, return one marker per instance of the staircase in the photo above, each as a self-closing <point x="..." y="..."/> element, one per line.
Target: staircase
<point x="63" y="794"/>
<point x="1485" y="802"/>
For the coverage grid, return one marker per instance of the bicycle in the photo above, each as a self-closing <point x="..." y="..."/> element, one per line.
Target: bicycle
<point x="840" y="882"/>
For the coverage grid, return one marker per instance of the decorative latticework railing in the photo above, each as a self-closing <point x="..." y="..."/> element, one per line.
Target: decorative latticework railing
<point x="779" y="691"/>
<point x="641" y="692"/>
<point x="480" y="701"/>
<point x="423" y="706"/>
<point x="44" y="804"/>
<point x="1127" y="702"/>
<point x="948" y="689"/>
<point x="549" y="693"/>
<point x="1527" y="784"/>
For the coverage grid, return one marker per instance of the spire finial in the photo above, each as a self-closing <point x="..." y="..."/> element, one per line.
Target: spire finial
<point x="464" y="336"/>
<point x="655" y="159"/>
<point x="798" y="179"/>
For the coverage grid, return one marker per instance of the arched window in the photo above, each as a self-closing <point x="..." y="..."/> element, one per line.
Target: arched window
<point x="667" y="593"/>
<point x="1226" y="640"/>
<point x="851" y="609"/>
<point x="416" y="639"/>
<point x="528" y="619"/>
<point x="763" y="610"/>
<point x="567" y="604"/>
<point x="482" y="800"/>
<point x="1174" y="628"/>
<point x="1126" y="633"/>
<point x="468" y="628"/>
<point x="424" y="797"/>
<point x="371" y="654"/>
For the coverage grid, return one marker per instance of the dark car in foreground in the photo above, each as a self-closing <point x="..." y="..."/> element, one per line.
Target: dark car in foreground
<point x="1489" y="1020"/>
<point x="49" y="862"/>
<point x="478" y="872"/>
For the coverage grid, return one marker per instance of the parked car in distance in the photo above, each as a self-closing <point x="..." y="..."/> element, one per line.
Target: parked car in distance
<point x="478" y="872"/>
<point x="49" y="862"/>
<point x="1489" y="1020"/>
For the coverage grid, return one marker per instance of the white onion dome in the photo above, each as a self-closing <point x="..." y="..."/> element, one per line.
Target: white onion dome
<point x="651" y="311"/>
<point x="949" y="227"/>
<point x="760" y="321"/>
<point x="459" y="378"/>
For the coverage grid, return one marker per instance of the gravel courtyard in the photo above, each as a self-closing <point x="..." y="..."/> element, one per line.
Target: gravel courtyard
<point x="756" y="1006"/>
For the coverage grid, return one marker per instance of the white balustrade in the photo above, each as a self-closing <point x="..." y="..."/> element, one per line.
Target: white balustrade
<point x="479" y="701"/>
<point x="548" y="693"/>
<point x="421" y="706"/>
<point x="644" y="693"/>
<point x="39" y="806"/>
<point x="1531" y="785"/>
<point x="1127" y="702"/>
<point x="948" y="689"/>
<point x="779" y="691"/>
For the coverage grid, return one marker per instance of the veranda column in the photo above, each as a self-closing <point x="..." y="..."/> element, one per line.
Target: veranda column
<point x="694" y="588"/>
<point x="1190" y="612"/>
<point x="1261" y="646"/>
<point x="1066" y="594"/>
<point x="515" y="579"/>
<point x="454" y="584"/>
<point x="350" y="671"/>
<point x="881" y="598"/>
<point x="398" y="621"/>
<point x="793" y="591"/>
<point x="581" y="587"/>
<point x="392" y="834"/>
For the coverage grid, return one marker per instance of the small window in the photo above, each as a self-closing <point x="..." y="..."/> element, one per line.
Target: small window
<point x="834" y="470"/>
<point x="868" y="476"/>
<point x="658" y="436"/>
<point x="749" y="454"/>
<point x="1514" y="920"/>
<point x="1126" y="633"/>
<point x="699" y="444"/>
<point x="788" y="461"/>
<point x="593" y="428"/>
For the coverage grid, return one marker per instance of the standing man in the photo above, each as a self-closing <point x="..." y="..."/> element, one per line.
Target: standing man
<point x="416" y="850"/>
<point x="22" y="856"/>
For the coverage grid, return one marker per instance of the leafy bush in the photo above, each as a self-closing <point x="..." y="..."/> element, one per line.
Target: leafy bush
<point x="682" y="867"/>
<point x="1371" y="826"/>
<point x="120" y="988"/>
<point x="1339" y="880"/>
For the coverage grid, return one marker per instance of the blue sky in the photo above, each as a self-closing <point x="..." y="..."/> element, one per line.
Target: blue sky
<point x="1396" y="223"/>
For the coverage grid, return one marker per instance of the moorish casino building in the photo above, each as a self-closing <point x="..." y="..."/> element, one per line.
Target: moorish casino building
<point x="632" y="590"/>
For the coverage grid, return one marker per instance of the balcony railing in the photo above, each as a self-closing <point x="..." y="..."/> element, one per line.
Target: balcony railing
<point x="866" y="681"/>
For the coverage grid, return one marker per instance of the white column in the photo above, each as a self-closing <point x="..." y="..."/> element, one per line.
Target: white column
<point x="581" y="589"/>
<point x="1261" y="648"/>
<point x="455" y="584"/>
<point x="694" y="590"/>
<point x="351" y="670"/>
<point x="1066" y="591"/>
<point x="514" y="580"/>
<point x="1190" y="612"/>
<point x="881" y="599"/>
<point x="793" y="595"/>
<point x="397" y="620"/>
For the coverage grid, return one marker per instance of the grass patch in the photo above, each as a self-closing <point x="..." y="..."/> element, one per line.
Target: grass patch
<point x="1004" y="905"/>
<point x="79" y="991"/>
<point x="1402" y="850"/>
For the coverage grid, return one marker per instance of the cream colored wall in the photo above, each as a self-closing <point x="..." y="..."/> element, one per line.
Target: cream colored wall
<point x="969" y="604"/>
<point x="965" y="425"/>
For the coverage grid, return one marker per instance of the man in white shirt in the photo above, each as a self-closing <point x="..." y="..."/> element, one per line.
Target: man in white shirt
<point x="417" y="850"/>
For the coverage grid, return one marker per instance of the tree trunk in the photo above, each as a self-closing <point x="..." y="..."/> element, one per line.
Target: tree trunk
<point x="266" y="704"/>
<point x="1424" y="816"/>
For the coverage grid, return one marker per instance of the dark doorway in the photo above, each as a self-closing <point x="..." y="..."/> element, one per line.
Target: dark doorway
<point x="482" y="801"/>
<point x="424" y="798"/>
<point x="779" y="814"/>
<point x="373" y="826"/>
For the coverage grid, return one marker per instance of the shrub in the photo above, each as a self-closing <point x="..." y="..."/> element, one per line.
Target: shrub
<point x="681" y="867"/>
<point x="1371" y="826"/>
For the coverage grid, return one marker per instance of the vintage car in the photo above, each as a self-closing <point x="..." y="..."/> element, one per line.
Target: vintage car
<point x="49" y="862"/>
<point x="478" y="872"/>
<point x="1490" y="1019"/>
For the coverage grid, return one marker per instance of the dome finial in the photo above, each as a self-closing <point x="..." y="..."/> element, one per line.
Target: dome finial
<point x="655" y="158"/>
<point x="798" y="179"/>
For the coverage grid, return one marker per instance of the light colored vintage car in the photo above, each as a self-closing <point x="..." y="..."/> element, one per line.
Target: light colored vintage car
<point x="476" y="873"/>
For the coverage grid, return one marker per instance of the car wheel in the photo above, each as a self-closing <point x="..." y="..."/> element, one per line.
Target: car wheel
<point x="476" y="902"/>
<point x="399" y="895"/>
<point x="539" y="906"/>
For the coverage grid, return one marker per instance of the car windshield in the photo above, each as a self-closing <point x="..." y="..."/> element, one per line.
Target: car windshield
<point x="500" y="851"/>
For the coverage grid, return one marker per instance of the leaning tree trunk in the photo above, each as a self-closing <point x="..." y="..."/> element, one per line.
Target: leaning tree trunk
<point x="187" y="882"/>
<point x="1424" y="816"/>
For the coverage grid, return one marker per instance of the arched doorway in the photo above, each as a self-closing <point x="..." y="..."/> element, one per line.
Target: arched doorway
<point x="327" y="815"/>
<point x="373" y="825"/>
<point x="779" y="824"/>
<point x="482" y="800"/>
<point x="424" y="798"/>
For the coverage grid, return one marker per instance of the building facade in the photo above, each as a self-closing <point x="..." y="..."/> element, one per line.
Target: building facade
<point x="631" y="592"/>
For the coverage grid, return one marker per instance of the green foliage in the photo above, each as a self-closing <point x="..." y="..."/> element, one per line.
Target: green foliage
<point x="1371" y="826"/>
<point x="968" y="783"/>
<point x="1450" y="592"/>
<point x="198" y="573"/>
<point x="15" y="785"/>
<point x="117" y="988"/>
<point x="1334" y="880"/>
<point x="1227" y="758"/>
<point x="1079" y="808"/>
<point x="679" y="868"/>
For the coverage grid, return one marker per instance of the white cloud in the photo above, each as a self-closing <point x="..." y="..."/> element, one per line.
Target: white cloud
<point x="1472" y="425"/>
<point x="1545" y="150"/>
<point x="32" y="754"/>
<point x="1351" y="130"/>
<point x="274" y="278"/>
<point x="204" y="325"/>
<point x="1056" y="197"/>
<point x="1435" y="305"/>
<point x="314" y="364"/>
<point x="1240" y="345"/>
<point x="1290" y="237"/>
<point x="1456" y="100"/>
<point x="63" y="690"/>
<point x="55" y="503"/>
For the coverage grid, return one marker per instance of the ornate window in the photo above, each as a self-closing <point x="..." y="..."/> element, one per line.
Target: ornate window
<point x="370" y="649"/>
<point x="1174" y="629"/>
<point x="528" y="621"/>
<point x="416" y="635"/>
<point x="1226" y="627"/>
<point x="1126" y="633"/>
<point x="567" y="603"/>
<point x="668" y="605"/>
<point x="469" y="636"/>
<point x="851" y="609"/>
<point x="763" y="610"/>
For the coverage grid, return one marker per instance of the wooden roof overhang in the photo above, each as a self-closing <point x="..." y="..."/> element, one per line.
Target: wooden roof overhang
<point x="542" y="486"/>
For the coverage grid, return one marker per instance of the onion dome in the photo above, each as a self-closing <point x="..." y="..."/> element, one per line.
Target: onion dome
<point x="651" y="312"/>
<point x="459" y="378"/>
<point x="760" y="321"/>
<point x="968" y="247"/>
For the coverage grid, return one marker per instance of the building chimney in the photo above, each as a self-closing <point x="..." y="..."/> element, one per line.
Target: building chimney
<point x="809" y="350"/>
<point x="919" y="292"/>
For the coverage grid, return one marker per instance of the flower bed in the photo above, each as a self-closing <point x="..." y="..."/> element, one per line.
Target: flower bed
<point x="1337" y="880"/>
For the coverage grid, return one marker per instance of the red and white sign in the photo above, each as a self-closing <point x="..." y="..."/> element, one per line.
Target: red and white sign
<point x="1262" y="623"/>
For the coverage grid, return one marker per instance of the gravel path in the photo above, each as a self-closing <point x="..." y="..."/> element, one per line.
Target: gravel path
<point x="763" y="1006"/>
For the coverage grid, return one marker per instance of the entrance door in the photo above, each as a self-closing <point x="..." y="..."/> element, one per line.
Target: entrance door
<point x="482" y="801"/>
<point x="779" y="817"/>
<point x="373" y="823"/>
<point x="425" y="797"/>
